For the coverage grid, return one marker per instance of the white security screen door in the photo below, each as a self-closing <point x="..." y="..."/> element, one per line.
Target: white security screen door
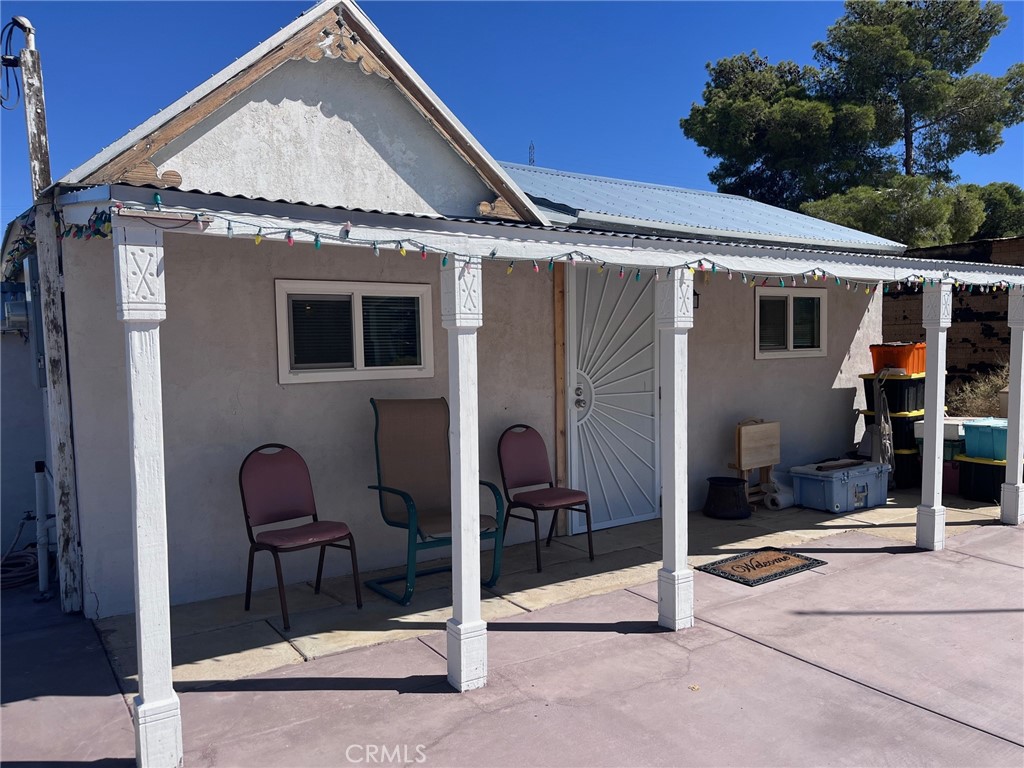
<point x="611" y="378"/>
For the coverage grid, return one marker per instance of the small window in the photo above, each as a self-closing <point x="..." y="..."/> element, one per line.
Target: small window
<point x="790" y="322"/>
<point x="331" y="331"/>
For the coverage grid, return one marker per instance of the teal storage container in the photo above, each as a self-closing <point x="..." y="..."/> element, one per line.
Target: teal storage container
<point x="950" y="448"/>
<point x="986" y="438"/>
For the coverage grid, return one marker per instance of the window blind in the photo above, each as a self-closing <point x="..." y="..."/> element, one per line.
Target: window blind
<point x="772" y="323"/>
<point x="391" y="334"/>
<point x="321" y="328"/>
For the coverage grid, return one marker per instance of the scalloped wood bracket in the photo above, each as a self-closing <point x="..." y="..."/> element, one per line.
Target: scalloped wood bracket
<point x="146" y="173"/>
<point x="323" y="37"/>
<point x="328" y="40"/>
<point x="354" y="50"/>
<point x="499" y="209"/>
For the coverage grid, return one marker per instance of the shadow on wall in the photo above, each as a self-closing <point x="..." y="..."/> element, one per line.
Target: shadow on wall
<point x="816" y="399"/>
<point x="23" y="437"/>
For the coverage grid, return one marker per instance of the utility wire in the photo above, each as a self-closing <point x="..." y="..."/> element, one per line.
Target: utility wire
<point x="10" y="62"/>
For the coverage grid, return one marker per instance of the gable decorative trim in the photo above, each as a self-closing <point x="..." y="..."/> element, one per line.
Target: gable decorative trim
<point x="353" y="50"/>
<point x="146" y="173"/>
<point x="323" y="37"/>
<point x="335" y="30"/>
<point x="499" y="209"/>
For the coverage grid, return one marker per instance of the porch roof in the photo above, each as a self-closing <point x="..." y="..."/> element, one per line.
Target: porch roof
<point x="508" y="241"/>
<point x="613" y="203"/>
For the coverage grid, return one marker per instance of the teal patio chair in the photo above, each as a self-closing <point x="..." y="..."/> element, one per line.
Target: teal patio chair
<point x="414" y="487"/>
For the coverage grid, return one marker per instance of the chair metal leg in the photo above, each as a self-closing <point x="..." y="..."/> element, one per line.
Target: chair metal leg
<point x="410" y="576"/>
<point x="536" y="536"/>
<point x="280" y="591"/>
<point x="590" y="532"/>
<point x="320" y="570"/>
<point x="248" y="578"/>
<point x="355" y="571"/>
<point x="499" y="546"/>
<point x="551" y="530"/>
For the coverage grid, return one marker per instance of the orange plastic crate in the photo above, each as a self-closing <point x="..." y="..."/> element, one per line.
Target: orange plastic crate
<point x="909" y="356"/>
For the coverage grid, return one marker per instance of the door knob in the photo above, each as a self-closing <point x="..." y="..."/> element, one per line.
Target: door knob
<point x="581" y="403"/>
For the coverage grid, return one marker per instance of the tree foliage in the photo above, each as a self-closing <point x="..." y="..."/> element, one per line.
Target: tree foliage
<point x="778" y="142"/>
<point x="912" y="210"/>
<point x="892" y="94"/>
<point x="909" y="62"/>
<point x="1004" y="210"/>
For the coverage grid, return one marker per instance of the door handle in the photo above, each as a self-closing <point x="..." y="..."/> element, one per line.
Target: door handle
<point x="581" y="403"/>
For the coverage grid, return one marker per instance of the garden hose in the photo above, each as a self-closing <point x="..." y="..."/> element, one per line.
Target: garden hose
<point x="18" y="568"/>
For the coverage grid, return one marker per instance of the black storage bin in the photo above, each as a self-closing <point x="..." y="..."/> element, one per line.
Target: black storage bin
<point x="904" y="395"/>
<point x="902" y="430"/>
<point x="981" y="480"/>
<point x="908" y="468"/>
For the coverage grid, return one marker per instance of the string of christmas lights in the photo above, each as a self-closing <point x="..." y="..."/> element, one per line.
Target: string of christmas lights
<point x="99" y="225"/>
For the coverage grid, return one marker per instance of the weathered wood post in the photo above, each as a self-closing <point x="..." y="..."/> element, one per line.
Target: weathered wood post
<point x="58" y="397"/>
<point x="462" y="315"/>
<point x="58" y="402"/>
<point x="141" y="305"/>
<point x="937" y="316"/>
<point x="674" y="317"/>
<point x="1013" y="489"/>
<point x="35" y="110"/>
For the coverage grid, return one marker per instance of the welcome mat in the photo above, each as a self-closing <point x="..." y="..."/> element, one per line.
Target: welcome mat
<point x="760" y="566"/>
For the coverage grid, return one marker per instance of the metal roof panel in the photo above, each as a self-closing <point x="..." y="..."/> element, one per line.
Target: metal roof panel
<point x="684" y="208"/>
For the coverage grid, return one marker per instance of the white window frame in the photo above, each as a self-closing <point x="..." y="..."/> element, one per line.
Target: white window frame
<point x="790" y="294"/>
<point x="360" y="372"/>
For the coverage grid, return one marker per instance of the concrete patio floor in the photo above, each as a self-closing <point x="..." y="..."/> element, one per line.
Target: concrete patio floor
<point x="887" y="655"/>
<point x="216" y="640"/>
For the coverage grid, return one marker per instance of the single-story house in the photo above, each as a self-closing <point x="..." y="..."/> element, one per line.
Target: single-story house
<point x="633" y="325"/>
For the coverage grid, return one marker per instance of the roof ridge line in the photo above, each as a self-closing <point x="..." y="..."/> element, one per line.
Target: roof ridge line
<point x="625" y="182"/>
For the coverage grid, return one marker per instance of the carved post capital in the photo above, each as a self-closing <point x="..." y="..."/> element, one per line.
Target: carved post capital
<point x="462" y="305"/>
<point x="139" y="268"/>
<point x="1015" y="308"/>
<point x="673" y="301"/>
<point x="938" y="305"/>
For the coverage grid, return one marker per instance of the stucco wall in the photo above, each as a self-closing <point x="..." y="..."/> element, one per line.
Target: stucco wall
<point x="221" y="399"/>
<point x="326" y="134"/>
<point x="22" y="441"/>
<point x="816" y="398"/>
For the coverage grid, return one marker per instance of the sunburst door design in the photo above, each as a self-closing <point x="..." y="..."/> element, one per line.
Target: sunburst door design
<point x="612" y="397"/>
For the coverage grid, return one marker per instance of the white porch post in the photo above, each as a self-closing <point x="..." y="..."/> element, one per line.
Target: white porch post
<point x="462" y="315"/>
<point x="139" y="267"/>
<point x="1013" y="488"/>
<point x="938" y="314"/>
<point x="674" y="317"/>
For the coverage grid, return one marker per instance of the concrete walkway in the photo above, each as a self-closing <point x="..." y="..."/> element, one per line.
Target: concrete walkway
<point x="885" y="656"/>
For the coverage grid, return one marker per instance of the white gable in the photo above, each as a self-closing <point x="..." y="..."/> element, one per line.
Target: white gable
<point x="324" y="133"/>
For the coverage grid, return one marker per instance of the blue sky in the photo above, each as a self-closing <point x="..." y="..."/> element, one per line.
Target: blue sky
<point x="598" y="87"/>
